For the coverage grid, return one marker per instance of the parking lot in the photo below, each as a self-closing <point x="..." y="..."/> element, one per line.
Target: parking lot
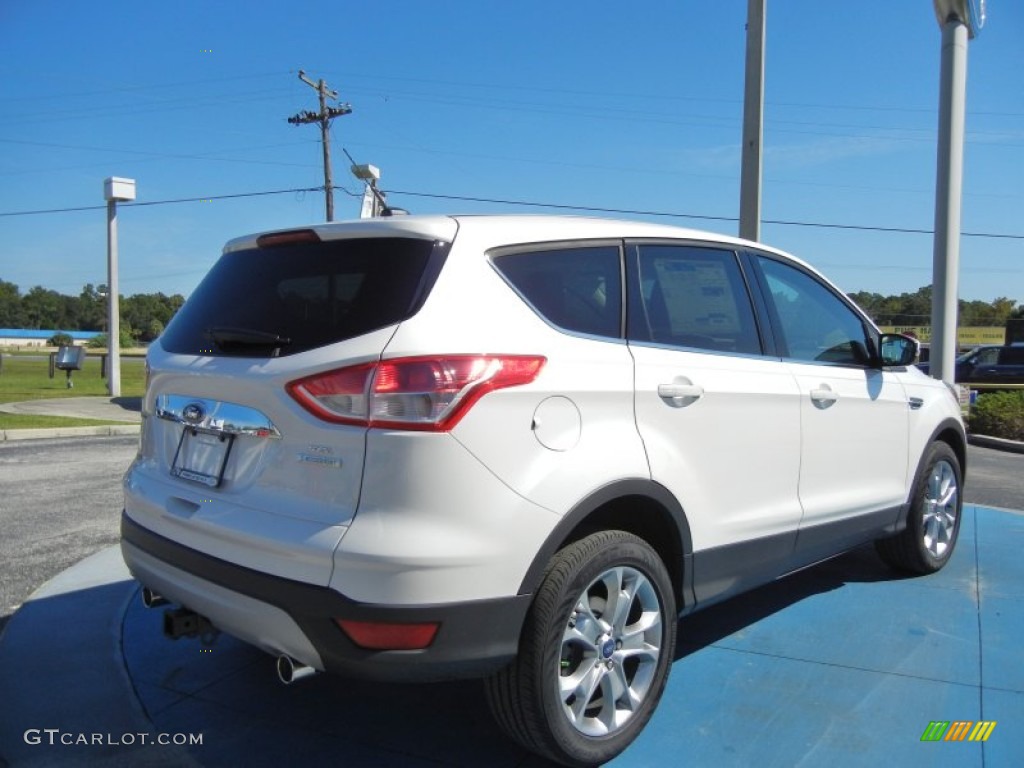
<point x="844" y="663"/>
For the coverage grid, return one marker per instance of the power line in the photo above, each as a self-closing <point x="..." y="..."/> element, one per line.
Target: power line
<point x="203" y="199"/>
<point x="671" y="214"/>
<point x="620" y="113"/>
<point x="661" y="98"/>
<point x="527" y="204"/>
<point x="162" y="87"/>
<point x="153" y="155"/>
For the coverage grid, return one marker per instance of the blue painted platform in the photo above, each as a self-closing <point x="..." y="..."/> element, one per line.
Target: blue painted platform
<point x="844" y="664"/>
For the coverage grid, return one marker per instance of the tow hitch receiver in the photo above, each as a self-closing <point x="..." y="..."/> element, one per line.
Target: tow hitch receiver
<point x="181" y="622"/>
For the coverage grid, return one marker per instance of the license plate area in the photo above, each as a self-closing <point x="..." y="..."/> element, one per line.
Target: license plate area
<point x="202" y="456"/>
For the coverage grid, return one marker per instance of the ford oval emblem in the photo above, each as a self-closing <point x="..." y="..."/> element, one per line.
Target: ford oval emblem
<point x="193" y="413"/>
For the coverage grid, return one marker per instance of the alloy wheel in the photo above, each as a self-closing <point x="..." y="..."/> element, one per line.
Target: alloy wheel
<point x="610" y="650"/>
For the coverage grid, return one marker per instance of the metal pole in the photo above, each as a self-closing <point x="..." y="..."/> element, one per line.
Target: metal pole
<point x="113" y="309"/>
<point x="753" y="123"/>
<point x="948" y="192"/>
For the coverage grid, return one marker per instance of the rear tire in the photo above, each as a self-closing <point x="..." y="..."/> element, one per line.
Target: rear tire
<point x="933" y="522"/>
<point x="594" y="655"/>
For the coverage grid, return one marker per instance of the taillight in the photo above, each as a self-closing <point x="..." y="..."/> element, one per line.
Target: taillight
<point x="422" y="393"/>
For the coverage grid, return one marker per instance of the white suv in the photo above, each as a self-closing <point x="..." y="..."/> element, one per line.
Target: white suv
<point x="519" y="448"/>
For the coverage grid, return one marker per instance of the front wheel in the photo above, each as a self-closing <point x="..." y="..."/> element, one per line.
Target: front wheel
<point x="595" y="652"/>
<point x="933" y="522"/>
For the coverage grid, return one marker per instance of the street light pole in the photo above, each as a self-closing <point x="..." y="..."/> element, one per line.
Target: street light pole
<point x="959" y="20"/>
<point x="114" y="189"/>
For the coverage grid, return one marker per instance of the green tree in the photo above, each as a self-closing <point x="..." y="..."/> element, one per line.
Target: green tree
<point x="126" y="336"/>
<point x="154" y="329"/>
<point x="92" y="308"/>
<point x="43" y="308"/>
<point x="985" y="313"/>
<point x="150" y="311"/>
<point x="916" y="309"/>
<point x="10" y="306"/>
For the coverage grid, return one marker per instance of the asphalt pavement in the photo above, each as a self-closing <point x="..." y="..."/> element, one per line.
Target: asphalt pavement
<point x="60" y="501"/>
<point x="844" y="664"/>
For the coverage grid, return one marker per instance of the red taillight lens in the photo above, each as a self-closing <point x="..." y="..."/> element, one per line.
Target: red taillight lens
<point x="386" y="636"/>
<point x="426" y="393"/>
<point x="339" y="396"/>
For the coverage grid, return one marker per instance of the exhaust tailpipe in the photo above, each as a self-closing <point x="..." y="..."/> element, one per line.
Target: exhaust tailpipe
<point x="289" y="670"/>
<point x="151" y="599"/>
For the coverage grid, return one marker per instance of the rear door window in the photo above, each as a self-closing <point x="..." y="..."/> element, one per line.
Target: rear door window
<point x="288" y="299"/>
<point x="694" y="297"/>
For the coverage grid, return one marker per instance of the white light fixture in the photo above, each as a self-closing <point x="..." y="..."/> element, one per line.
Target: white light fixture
<point x="366" y="172"/>
<point x="970" y="12"/>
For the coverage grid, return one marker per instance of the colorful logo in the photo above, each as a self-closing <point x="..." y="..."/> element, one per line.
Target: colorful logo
<point x="958" y="730"/>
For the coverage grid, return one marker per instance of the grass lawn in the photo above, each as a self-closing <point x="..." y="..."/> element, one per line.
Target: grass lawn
<point x="31" y="421"/>
<point x="25" y="377"/>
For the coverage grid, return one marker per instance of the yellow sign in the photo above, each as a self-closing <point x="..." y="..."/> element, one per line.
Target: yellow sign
<point x="968" y="336"/>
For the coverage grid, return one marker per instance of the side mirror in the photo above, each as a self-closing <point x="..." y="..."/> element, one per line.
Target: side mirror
<point x="898" y="350"/>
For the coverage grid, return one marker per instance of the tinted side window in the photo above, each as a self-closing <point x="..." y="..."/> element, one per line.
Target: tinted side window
<point x="692" y="297"/>
<point x="579" y="289"/>
<point x="816" y="325"/>
<point x="1011" y="356"/>
<point x="312" y="294"/>
<point x="987" y="356"/>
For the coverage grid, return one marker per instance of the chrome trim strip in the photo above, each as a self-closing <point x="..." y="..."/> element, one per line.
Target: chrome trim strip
<point x="215" y="416"/>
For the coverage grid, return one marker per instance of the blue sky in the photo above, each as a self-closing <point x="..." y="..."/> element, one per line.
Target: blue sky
<point x="593" y="104"/>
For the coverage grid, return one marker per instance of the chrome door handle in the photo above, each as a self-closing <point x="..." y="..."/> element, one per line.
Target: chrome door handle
<point x="823" y="396"/>
<point x="679" y="393"/>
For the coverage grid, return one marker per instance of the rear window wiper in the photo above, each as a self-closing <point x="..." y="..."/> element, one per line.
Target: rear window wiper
<point x="228" y="338"/>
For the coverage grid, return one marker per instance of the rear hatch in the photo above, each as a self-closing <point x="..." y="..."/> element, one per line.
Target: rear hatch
<point x="230" y="463"/>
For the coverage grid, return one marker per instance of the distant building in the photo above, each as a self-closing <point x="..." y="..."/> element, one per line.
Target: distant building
<point x="26" y="337"/>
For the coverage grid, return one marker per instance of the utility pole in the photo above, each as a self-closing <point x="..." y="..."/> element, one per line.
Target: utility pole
<point x="324" y="117"/>
<point x="753" y="123"/>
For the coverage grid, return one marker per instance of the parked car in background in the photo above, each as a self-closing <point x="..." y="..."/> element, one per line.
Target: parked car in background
<point x="989" y="364"/>
<point x="520" y="448"/>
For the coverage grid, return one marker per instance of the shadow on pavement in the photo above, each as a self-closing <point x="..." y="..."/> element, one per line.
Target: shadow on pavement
<point x="128" y="403"/>
<point x="713" y="624"/>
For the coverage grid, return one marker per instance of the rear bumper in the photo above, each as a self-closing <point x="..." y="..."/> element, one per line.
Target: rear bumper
<point x="284" y="616"/>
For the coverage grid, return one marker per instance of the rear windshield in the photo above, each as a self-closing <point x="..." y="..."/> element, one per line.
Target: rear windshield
<point x="267" y="302"/>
